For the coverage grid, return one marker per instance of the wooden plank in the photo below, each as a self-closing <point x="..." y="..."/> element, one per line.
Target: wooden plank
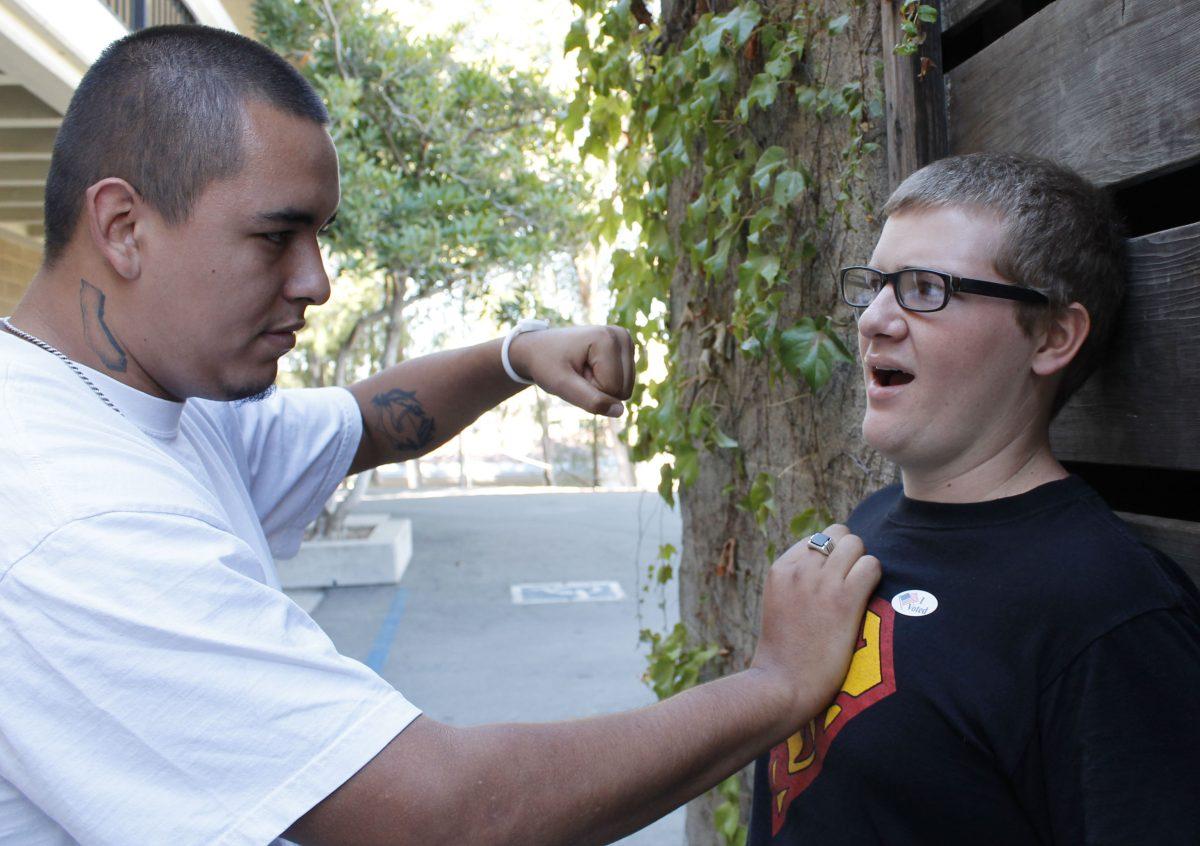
<point x="18" y="103"/>
<point x="1143" y="407"/>
<point x="1179" y="539"/>
<point x="1111" y="89"/>
<point x="26" y="194"/>
<point x="27" y="141"/>
<point x="955" y="12"/>
<point x="915" y="97"/>
<point x="23" y="173"/>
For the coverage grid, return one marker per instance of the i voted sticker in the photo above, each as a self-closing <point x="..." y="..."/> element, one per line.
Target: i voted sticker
<point x="915" y="603"/>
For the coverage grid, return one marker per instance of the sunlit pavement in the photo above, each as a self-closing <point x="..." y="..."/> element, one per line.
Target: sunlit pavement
<point x="452" y="640"/>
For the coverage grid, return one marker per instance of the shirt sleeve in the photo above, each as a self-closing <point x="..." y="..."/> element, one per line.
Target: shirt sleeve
<point x="152" y="694"/>
<point x="298" y="446"/>
<point x="1120" y="738"/>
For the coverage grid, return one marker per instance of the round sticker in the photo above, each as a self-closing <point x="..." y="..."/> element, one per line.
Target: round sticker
<point x="915" y="603"/>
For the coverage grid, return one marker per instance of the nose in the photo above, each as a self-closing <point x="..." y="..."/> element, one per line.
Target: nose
<point x="309" y="281"/>
<point x="883" y="317"/>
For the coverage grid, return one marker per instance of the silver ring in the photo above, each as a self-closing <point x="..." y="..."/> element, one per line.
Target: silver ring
<point x="822" y="543"/>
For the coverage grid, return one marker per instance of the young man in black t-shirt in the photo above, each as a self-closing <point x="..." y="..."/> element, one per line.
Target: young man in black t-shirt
<point x="1028" y="672"/>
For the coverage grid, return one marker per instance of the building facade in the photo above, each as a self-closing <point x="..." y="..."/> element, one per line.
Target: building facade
<point x="45" y="48"/>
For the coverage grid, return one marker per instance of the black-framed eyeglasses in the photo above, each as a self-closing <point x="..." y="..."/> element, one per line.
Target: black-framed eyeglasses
<point x="920" y="289"/>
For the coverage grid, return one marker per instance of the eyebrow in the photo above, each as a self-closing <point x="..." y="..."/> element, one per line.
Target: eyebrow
<point x="293" y="216"/>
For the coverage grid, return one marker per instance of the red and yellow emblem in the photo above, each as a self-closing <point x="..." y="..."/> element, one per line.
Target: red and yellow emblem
<point x="797" y="761"/>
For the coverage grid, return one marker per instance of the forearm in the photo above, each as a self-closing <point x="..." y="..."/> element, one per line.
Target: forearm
<point x="416" y="406"/>
<point x="570" y="783"/>
<point x="594" y="781"/>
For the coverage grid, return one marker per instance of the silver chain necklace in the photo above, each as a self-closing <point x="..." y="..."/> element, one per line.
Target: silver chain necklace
<point x="38" y="342"/>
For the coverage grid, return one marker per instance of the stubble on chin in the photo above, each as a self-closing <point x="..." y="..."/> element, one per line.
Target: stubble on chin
<point x="250" y="394"/>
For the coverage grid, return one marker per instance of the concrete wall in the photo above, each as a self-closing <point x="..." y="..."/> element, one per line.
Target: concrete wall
<point x="19" y="261"/>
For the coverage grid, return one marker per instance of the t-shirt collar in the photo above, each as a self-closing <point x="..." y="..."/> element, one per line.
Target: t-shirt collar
<point x="157" y="417"/>
<point x="916" y="512"/>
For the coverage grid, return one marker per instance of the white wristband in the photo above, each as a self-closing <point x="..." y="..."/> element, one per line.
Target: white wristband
<point x="529" y="324"/>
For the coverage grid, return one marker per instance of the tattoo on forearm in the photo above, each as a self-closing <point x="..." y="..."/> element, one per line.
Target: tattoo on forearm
<point x="403" y="420"/>
<point x="99" y="337"/>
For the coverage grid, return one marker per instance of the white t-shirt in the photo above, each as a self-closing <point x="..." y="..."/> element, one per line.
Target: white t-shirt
<point x="155" y="685"/>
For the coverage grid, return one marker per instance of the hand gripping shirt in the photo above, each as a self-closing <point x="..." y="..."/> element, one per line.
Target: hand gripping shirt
<point x="157" y="686"/>
<point x="1028" y="672"/>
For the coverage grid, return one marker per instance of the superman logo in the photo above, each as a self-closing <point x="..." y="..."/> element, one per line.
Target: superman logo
<point x="796" y="762"/>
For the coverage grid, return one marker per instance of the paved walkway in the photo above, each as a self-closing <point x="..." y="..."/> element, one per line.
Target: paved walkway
<point x="451" y="639"/>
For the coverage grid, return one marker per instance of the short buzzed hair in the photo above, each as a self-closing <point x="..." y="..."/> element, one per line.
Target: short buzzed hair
<point x="1062" y="236"/>
<point x="163" y="110"/>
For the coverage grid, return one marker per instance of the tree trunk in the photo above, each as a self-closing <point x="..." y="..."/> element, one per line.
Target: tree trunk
<point x="542" y="412"/>
<point x="464" y="481"/>
<point x="808" y="444"/>
<point x="412" y="474"/>
<point x="595" y="452"/>
<point x="395" y="339"/>
<point x="613" y="440"/>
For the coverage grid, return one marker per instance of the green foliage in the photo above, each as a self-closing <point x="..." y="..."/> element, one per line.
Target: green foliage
<point x="811" y="350"/>
<point x="672" y="663"/>
<point x="809" y="521"/>
<point x="913" y="13"/>
<point x="450" y="170"/>
<point x="727" y="816"/>
<point x="759" y="501"/>
<point x="657" y="111"/>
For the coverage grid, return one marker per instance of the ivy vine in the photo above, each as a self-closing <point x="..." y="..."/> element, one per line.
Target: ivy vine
<point x="657" y="110"/>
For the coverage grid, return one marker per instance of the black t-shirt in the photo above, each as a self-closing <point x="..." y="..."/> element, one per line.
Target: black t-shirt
<point x="1028" y="672"/>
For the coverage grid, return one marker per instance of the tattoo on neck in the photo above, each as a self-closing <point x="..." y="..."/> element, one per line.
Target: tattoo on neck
<point x="403" y="419"/>
<point x="99" y="337"/>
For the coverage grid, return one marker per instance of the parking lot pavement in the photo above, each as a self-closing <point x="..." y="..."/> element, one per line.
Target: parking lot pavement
<point x="452" y="640"/>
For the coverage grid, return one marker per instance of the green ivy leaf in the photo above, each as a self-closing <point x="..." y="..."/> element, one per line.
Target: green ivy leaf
<point x="928" y="14"/>
<point x="722" y="440"/>
<point x="771" y="160"/>
<point x="573" y="120"/>
<point x="759" y="265"/>
<point x="726" y="818"/>
<point x="808" y="349"/>
<point x="763" y="90"/>
<point x="806" y="523"/>
<point x="788" y="186"/>
<point x="666" y="485"/>
<point x="577" y="36"/>
<point x="740" y="21"/>
<point x="779" y="67"/>
<point x="687" y="466"/>
<point x="759" y="501"/>
<point x="838" y="24"/>
<point x="716" y="264"/>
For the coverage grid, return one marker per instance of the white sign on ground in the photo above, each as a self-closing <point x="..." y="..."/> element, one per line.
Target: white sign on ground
<point x="543" y="593"/>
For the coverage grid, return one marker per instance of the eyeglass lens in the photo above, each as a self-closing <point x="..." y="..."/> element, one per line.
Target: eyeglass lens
<point x="915" y="289"/>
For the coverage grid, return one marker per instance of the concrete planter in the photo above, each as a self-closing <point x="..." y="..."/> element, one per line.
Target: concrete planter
<point x="378" y="559"/>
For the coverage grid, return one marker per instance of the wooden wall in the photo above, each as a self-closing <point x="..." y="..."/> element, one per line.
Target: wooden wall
<point x="19" y="261"/>
<point x="1112" y="89"/>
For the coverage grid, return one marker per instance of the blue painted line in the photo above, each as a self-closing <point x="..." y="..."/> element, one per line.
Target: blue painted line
<point x="387" y="632"/>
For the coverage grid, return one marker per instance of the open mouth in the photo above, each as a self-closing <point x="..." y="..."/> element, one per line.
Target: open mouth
<point x="889" y="378"/>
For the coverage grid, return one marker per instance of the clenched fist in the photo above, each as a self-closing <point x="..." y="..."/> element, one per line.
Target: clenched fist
<point x="588" y="366"/>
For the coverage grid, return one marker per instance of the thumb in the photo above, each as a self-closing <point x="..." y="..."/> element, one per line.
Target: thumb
<point x="578" y="391"/>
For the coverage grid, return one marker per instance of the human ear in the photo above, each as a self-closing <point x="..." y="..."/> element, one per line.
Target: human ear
<point x="113" y="208"/>
<point x="1064" y="333"/>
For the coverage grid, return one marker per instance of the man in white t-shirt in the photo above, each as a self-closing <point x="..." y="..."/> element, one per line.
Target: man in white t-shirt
<point x="158" y="687"/>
